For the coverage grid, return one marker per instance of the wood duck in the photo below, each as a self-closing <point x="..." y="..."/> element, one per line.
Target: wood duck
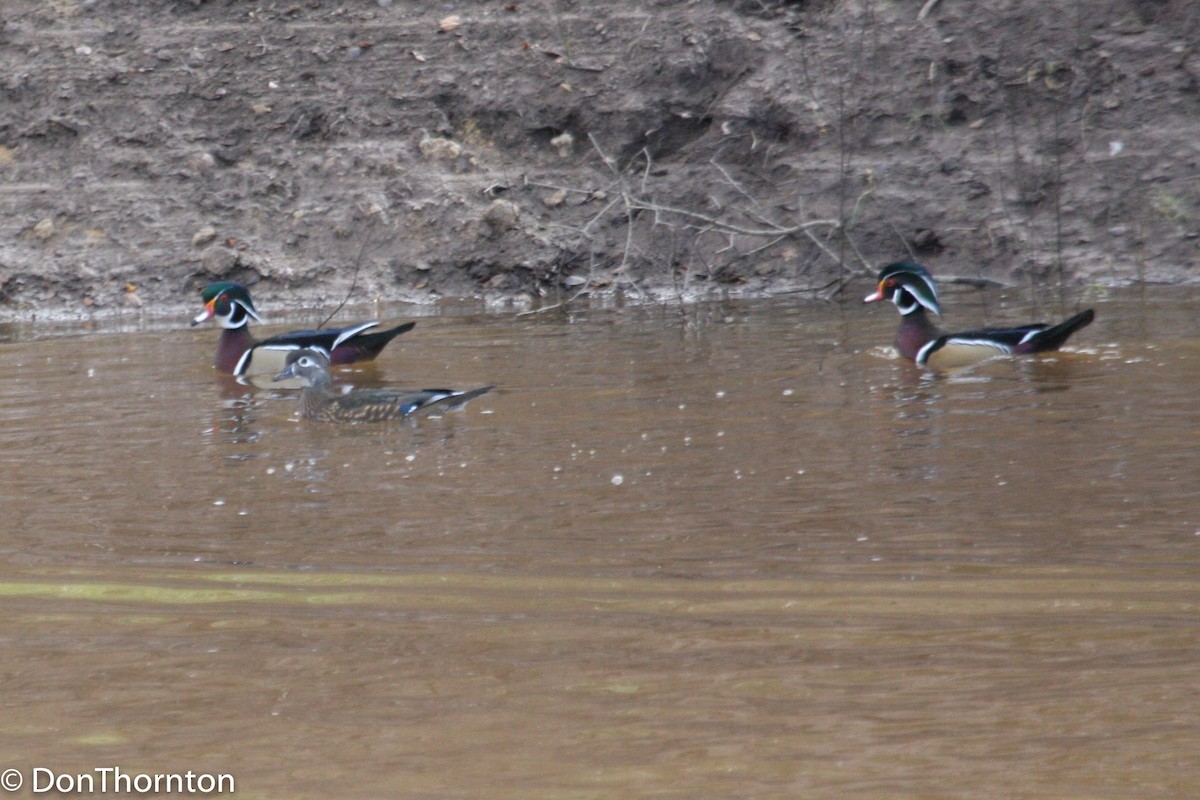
<point x="317" y="401"/>
<point x="239" y="353"/>
<point x="911" y="288"/>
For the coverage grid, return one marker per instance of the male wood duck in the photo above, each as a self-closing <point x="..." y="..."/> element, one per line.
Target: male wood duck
<point x="237" y="351"/>
<point x="319" y="402"/>
<point x="911" y="288"/>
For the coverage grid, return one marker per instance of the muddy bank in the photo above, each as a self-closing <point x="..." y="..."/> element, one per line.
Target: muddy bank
<point x="533" y="151"/>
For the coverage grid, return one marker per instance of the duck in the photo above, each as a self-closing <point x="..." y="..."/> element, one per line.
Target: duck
<point x="239" y="354"/>
<point x="310" y="365"/>
<point x="912" y="289"/>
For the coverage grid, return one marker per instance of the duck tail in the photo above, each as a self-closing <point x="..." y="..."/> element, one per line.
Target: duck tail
<point x="442" y="399"/>
<point x="366" y="345"/>
<point x="377" y="340"/>
<point x="460" y="399"/>
<point x="1056" y="336"/>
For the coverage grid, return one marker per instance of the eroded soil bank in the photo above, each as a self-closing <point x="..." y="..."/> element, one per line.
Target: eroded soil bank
<point x="534" y="150"/>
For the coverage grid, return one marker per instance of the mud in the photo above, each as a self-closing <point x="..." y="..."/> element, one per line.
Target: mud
<point x="532" y="152"/>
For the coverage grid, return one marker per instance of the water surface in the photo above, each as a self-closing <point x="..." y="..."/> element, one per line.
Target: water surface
<point x="723" y="550"/>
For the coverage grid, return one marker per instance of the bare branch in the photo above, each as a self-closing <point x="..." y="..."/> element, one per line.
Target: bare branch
<point x="642" y="205"/>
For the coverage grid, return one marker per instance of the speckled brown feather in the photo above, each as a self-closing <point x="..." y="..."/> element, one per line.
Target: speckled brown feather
<point x="378" y="405"/>
<point x="319" y="402"/>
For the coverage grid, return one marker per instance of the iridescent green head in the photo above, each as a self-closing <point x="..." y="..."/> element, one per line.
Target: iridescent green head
<point x="909" y="286"/>
<point x="228" y="303"/>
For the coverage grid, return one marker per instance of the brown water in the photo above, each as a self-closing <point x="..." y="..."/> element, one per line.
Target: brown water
<point x="731" y="551"/>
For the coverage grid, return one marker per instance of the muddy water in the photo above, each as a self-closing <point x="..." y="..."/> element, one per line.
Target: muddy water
<point x="733" y="550"/>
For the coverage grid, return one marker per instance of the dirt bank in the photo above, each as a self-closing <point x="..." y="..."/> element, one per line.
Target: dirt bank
<point x="541" y="148"/>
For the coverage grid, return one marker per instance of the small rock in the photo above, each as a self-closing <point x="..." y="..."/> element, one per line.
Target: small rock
<point x="501" y="214"/>
<point x="44" y="229"/>
<point x="563" y="143"/>
<point x="926" y="240"/>
<point x="204" y="236"/>
<point x="555" y="199"/>
<point x="218" y="261"/>
<point x="201" y="162"/>
<point x="450" y="23"/>
<point x="436" y="147"/>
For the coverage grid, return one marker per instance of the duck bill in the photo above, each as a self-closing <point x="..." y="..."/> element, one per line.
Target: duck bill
<point x="876" y="297"/>
<point x="284" y="375"/>
<point x="208" y="313"/>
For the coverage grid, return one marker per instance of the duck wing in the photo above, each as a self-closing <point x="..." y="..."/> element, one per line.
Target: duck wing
<point x="967" y="347"/>
<point x="374" y="405"/>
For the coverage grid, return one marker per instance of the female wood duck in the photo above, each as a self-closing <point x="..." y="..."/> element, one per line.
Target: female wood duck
<point x="238" y="352"/>
<point x="319" y="402"/>
<point x="911" y="288"/>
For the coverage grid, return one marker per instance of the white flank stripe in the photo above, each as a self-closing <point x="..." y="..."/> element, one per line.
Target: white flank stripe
<point x="999" y="347"/>
<point x="350" y="333"/>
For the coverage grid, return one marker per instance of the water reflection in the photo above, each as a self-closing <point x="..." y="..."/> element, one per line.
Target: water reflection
<point x="236" y="422"/>
<point x="727" y="549"/>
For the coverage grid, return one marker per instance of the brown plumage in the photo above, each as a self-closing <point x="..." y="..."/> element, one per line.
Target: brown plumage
<point x="319" y="402"/>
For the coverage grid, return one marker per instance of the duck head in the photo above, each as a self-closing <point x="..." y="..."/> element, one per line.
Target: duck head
<point x="228" y="303"/>
<point x="309" y="365"/>
<point x="909" y="286"/>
